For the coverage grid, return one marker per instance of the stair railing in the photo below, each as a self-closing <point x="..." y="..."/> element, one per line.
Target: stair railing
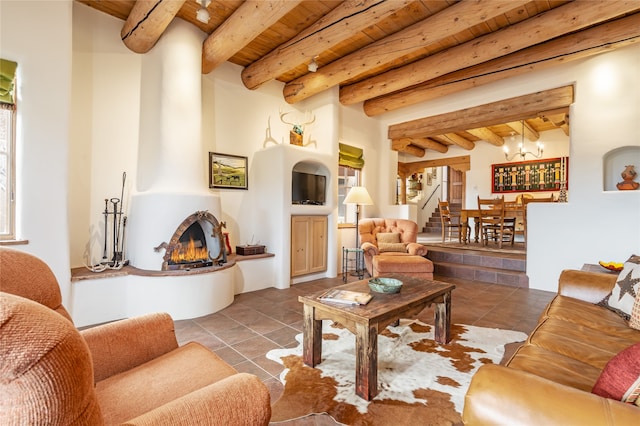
<point x="430" y="197"/>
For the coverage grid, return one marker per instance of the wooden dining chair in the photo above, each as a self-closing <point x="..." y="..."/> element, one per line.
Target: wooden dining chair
<point x="451" y="222"/>
<point x="493" y="223"/>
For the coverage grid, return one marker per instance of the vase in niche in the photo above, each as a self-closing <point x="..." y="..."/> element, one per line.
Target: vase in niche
<point x="628" y="176"/>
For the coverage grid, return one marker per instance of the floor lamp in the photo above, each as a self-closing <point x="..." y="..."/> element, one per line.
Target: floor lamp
<point x="359" y="196"/>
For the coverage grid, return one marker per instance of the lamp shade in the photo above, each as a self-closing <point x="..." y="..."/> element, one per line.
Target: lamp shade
<point x="358" y="195"/>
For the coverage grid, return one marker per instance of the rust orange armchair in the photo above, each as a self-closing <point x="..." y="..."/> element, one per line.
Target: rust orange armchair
<point x="390" y="247"/>
<point x="126" y="372"/>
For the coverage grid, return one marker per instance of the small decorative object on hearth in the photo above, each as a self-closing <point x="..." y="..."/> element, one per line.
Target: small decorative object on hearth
<point x="249" y="250"/>
<point x="226" y="242"/>
<point x="628" y="175"/>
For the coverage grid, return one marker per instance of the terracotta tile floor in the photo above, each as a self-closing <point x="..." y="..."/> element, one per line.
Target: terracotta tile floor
<point x="259" y="321"/>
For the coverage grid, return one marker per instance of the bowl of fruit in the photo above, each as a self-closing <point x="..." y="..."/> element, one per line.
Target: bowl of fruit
<point x="611" y="266"/>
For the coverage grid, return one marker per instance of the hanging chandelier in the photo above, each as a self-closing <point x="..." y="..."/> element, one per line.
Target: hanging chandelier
<point x="521" y="151"/>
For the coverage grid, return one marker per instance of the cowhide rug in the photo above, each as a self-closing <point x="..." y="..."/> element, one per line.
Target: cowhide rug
<point x="420" y="382"/>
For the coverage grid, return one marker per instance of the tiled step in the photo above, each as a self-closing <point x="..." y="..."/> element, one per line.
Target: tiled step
<point x="490" y="267"/>
<point x="433" y="225"/>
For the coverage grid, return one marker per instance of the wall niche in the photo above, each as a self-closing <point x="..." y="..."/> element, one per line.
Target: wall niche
<point x="615" y="161"/>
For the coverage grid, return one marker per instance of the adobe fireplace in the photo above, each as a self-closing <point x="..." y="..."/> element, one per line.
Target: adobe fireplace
<point x="198" y="242"/>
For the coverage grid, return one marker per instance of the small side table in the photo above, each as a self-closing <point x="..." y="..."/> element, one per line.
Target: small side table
<point x="352" y="260"/>
<point x="592" y="267"/>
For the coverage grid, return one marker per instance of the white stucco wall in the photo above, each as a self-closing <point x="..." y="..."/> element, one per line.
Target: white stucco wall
<point x="105" y="128"/>
<point x="37" y="35"/>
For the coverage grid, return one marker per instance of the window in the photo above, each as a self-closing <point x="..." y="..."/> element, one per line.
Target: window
<point x="347" y="177"/>
<point x="7" y="175"/>
<point x="350" y="163"/>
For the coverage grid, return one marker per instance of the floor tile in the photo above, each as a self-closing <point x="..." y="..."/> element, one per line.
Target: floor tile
<point x="259" y="321"/>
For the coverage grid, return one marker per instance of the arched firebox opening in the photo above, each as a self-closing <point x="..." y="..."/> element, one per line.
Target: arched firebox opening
<point x="197" y="243"/>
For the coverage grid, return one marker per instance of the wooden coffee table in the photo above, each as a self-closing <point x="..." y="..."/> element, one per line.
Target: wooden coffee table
<point x="367" y="321"/>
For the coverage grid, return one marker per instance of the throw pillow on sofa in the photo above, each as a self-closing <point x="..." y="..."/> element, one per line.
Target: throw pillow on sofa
<point x="623" y="294"/>
<point x="634" y="321"/>
<point x="620" y="378"/>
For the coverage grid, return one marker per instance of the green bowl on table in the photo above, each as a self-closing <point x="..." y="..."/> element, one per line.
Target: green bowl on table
<point x="385" y="285"/>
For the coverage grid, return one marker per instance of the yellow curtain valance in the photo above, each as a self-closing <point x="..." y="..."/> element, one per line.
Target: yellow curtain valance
<point x="350" y="156"/>
<point x="7" y="76"/>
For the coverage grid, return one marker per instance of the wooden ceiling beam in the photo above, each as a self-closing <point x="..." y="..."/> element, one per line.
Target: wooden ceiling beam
<point x="346" y="20"/>
<point x="452" y="20"/>
<point x="487" y="135"/>
<point x="406" y="146"/>
<point x="529" y="132"/>
<point x="462" y="163"/>
<point x="460" y="141"/>
<point x="543" y="27"/>
<point x="250" y="20"/>
<point x="602" y="38"/>
<point x="426" y="143"/>
<point x="147" y="22"/>
<point x="526" y="106"/>
<point x="560" y="120"/>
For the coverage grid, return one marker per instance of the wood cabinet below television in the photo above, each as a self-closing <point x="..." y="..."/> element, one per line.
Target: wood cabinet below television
<point x="308" y="244"/>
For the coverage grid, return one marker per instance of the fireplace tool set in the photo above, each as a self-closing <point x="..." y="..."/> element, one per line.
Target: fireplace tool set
<point x="113" y="256"/>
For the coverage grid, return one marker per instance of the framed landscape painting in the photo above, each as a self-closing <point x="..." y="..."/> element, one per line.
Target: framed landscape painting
<point x="228" y="171"/>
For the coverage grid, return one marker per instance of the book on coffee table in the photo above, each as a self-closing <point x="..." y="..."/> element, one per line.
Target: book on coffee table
<point x="346" y="296"/>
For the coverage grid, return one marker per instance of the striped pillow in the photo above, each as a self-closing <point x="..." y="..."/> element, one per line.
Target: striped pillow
<point x="634" y="322"/>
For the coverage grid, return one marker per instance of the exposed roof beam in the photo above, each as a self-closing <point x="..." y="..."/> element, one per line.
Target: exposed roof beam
<point x="424" y="143"/>
<point x="529" y="132"/>
<point x="404" y="145"/>
<point x="525" y="106"/>
<point x="605" y="37"/>
<point x="487" y="135"/>
<point x="460" y="141"/>
<point x="146" y="23"/>
<point x="448" y="22"/>
<point x="462" y="162"/>
<point x="251" y="19"/>
<point x="545" y="26"/>
<point x="560" y="120"/>
<point x="346" y="20"/>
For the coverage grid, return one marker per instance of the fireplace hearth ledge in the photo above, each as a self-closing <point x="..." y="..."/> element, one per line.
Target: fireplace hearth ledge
<point x="130" y="292"/>
<point x="111" y="295"/>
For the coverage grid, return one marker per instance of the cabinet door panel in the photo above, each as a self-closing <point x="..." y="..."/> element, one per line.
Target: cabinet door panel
<point x="318" y="244"/>
<point x="299" y="241"/>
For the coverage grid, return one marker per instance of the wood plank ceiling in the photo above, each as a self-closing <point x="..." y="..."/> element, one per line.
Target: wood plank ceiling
<point x="389" y="54"/>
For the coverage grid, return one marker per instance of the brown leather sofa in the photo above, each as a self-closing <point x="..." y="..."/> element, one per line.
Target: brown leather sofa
<point x="403" y="256"/>
<point x="548" y="381"/>
<point x="127" y="372"/>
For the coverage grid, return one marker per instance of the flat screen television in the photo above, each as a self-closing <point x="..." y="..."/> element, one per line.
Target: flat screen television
<point x="307" y="188"/>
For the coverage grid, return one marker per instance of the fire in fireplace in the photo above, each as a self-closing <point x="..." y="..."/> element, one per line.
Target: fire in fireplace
<point x="191" y="250"/>
<point x="198" y="242"/>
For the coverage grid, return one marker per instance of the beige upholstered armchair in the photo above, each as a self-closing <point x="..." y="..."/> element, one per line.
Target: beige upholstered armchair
<point x="390" y="247"/>
<point x="126" y="372"/>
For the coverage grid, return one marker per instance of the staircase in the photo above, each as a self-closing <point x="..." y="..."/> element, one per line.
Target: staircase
<point x="479" y="265"/>
<point x="433" y="225"/>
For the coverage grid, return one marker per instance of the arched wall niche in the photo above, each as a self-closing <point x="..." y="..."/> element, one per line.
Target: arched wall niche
<point x="314" y="168"/>
<point x="615" y="161"/>
<point x="311" y="167"/>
